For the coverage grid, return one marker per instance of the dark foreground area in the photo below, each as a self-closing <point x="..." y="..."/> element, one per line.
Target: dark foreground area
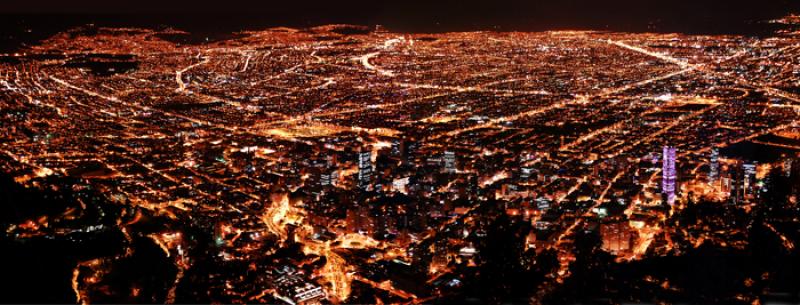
<point x="41" y="270"/>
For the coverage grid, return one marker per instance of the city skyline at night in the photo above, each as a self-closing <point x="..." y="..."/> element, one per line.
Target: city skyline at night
<point x="400" y="153"/>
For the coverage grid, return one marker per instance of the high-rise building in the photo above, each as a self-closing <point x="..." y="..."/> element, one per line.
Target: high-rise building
<point x="364" y="169"/>
<point x="449" y="161"/>
<point x="749" y="179"/>
<point x="669" y="174"/>
<point x="713" y="172"/>
<point x="787" y="167"/>
<point x="736" y="184"/>
<point x="398" y="148"/>
<point x="411" y="152"/>
<point x="325" y="179"/>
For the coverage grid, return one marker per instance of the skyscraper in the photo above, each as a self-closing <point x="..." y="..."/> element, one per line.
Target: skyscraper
<point x="787" y="167"/>
<point x="713" y="172"/>
<point x="736" y="186"/>
<point x="449" y="161"/>
<point x="669" y="174"/>
<point x="398" y="148"/>
<point x="411" y="152"/>
<point x="325" y="179"/>
<point x="364" y="169"/>
<point x="749" y="179"/>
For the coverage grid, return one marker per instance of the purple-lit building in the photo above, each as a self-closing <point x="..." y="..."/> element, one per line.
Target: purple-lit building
<point x="669" y="174"/>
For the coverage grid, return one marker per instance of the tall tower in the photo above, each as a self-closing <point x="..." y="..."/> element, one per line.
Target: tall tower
<point x="787" y="167"/>
<point x="325" y="179"/>
<point x="737" y="181"/>
<point x="749" y="179"/>
<point x="449" y="161"/>
<point x="713" y="172"/>
<point x="398" y="148"/>
<point x="669" y="174"/>
<point x="364" y="169"/>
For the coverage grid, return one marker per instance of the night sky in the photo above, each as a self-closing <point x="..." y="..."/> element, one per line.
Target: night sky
<point x="690" y="16"/>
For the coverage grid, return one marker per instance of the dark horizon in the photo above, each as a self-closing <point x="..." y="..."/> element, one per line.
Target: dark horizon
<point x="685" y="16"/>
